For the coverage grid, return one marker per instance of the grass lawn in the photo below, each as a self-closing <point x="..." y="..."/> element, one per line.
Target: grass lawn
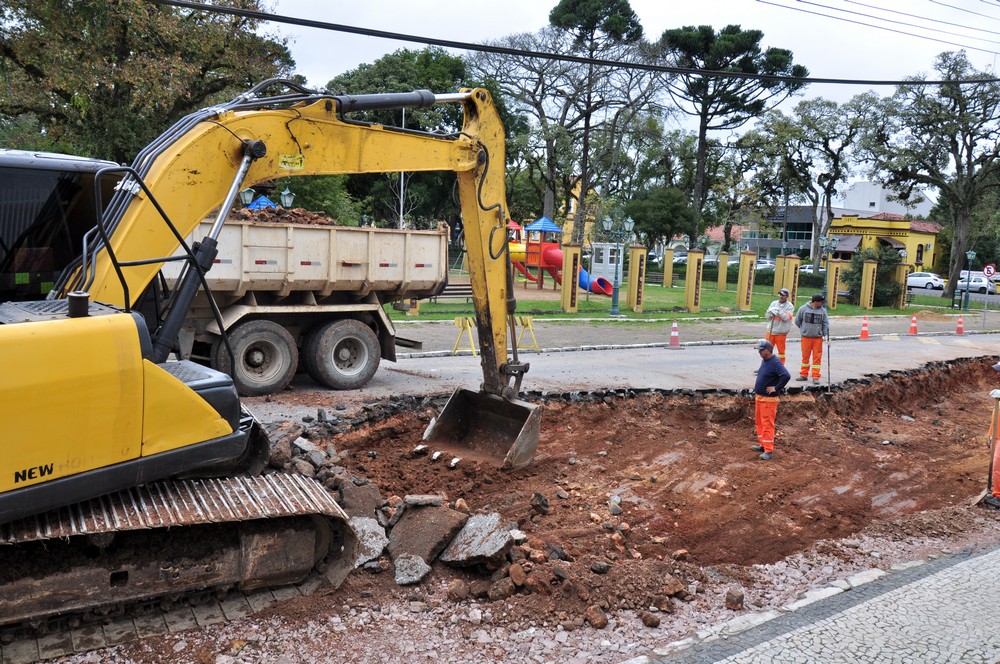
<point x="659" y="302"/>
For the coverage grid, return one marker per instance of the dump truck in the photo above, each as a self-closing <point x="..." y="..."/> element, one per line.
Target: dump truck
<point x="307" y="295"/>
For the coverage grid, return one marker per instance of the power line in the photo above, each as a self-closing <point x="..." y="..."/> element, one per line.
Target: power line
<point x="878" y="27"/>
<point x="922" y="18"/>
<point x="523" y="53"/>
<point x="962" y="9"/>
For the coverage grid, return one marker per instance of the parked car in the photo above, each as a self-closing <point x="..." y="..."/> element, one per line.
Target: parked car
<point x="975" y="284"/>
<point x="927" y="280"/>
<point x="808" y="269"/>
<point x="765" y="264"/>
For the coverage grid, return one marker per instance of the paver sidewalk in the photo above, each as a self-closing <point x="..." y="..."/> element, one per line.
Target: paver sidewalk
<point x="934" y="613"/>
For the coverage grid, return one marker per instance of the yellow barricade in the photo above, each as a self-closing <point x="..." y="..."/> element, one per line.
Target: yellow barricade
<point x="526" y="326"/>
<point x="464" y="324"/>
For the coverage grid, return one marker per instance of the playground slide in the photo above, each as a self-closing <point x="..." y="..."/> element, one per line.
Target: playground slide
<point x="554" y="256"/>
<point x="523" y="270"/>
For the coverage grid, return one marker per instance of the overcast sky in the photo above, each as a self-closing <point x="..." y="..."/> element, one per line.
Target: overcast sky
<point x="858" y="47"/>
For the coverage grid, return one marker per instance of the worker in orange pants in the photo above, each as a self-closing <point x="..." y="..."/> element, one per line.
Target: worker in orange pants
<point x="779" y="317"/>
<point x="772" y="376"/>
<point x="814" y="324"/>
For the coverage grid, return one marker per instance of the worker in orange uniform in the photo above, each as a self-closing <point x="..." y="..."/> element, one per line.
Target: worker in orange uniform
<point x="772" y="376"/>
<point x="814" y="324"/>
<point x="992" y="498"/>
<point x="779" y="317"/>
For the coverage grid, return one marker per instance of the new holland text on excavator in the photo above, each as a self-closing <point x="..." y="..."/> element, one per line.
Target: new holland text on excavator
<point x="110" y="441"/>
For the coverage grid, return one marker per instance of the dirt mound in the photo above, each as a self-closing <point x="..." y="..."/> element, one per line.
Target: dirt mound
<point x="932" y="315"/>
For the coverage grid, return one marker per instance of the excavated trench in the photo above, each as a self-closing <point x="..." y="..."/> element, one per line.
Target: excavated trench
<point x="665" y="481"/>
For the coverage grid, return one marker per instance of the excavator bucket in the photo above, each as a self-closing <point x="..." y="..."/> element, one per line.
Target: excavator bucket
<point x="484" y="426"/>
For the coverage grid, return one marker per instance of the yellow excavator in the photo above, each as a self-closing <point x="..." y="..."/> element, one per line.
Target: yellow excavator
<point x="128" y="476"/>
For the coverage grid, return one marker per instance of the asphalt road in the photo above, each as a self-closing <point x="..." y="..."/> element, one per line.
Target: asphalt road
<point x="602" y="355"/>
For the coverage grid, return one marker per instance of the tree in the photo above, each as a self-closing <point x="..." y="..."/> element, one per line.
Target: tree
<point x="102" y="79"/>
<point x="945" y="136"/>
<point x="813" y="152"/>
<point x="594" y="24"/>
<point x="720" y="101"/>
<point x="660" y="213"/>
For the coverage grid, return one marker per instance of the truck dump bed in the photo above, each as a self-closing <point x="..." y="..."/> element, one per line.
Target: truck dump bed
<point x="284" y="258"/>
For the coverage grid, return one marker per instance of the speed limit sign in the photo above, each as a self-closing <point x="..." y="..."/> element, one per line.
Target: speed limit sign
<point x="989" y="270"/>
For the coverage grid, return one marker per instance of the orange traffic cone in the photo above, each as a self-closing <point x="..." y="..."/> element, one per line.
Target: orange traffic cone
<point x="675" y="338"/>
<point x="864" y="328"/>
<point x="961" y="326"/>
<point x="913" y="325"/>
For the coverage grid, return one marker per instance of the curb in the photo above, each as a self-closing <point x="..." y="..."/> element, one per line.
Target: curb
<point x="664" y="344"/>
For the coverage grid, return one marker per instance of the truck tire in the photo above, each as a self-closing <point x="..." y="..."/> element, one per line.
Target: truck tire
<point x="267" y="357"/>
<point x="343" y="354"/>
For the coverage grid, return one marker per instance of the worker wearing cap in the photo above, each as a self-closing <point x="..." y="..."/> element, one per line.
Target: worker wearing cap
<point x="814" y="324"/>
<point x="779" y="321"/>
<point x="772" y="376"/>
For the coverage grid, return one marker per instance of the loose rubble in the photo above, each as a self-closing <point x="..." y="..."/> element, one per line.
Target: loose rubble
<point x="536" y="565"/>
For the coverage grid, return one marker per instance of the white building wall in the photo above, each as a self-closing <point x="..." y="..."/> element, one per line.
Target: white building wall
<point x="871" y="198"/>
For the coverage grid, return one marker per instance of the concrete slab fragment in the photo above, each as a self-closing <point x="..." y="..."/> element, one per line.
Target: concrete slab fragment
<point x="372" y="539"/>
<point x="482" y="539"/>
<point x="425" y="532"/>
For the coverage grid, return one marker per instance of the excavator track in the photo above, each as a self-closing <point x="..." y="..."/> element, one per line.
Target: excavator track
<point x="166" y="540"/>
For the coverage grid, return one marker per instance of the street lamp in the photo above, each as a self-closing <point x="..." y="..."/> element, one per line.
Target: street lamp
<point x="827" y="245"/>
<point x="286" y="198"/>
<point x="802" y="247"/>
<point x="617" y="234"/>
<point x="971" y="256"/>
<point x="784" y="247"/>
<point x="246" y="196"/>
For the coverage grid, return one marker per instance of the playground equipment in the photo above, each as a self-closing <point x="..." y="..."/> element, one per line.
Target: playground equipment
<point x="549" y="257"/>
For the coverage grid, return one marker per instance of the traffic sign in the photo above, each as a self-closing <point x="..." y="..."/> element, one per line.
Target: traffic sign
<point x="989" y="270"/>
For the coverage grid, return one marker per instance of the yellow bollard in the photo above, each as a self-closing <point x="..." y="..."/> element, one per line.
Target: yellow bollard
<point x="526" y="325"/>
<point x="464" y="324"/>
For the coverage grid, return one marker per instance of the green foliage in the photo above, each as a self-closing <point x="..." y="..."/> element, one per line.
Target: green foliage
<point x="102" y="79"/>
<point x="587" y="18"/>
<point x="428" y="197"/>
<point x="323" y="193"/>
<point x="660" y="213"/>
<point x="945" y="136"/>
<point x="725" y="103"/>
<point x="886" y="288"/>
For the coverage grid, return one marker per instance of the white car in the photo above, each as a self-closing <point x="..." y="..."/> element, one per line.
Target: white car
<point x="808" y="269"/>
<point x="765" y="264"/>
<point x="927" y="280"/>
<point x="975" y="284"/>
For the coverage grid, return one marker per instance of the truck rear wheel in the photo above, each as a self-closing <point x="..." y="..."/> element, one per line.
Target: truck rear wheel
<point x="266" y="355"/>
<point x="343" y="354"/>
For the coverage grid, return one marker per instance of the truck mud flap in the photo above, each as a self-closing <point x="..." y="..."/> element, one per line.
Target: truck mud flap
<point x="483" y="426"/>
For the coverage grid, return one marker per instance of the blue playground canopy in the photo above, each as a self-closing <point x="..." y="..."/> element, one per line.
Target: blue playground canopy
<point x="543" y="225"/>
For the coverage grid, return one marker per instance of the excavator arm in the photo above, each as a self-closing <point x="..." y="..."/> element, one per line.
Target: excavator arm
<point x="210" y="156"/>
